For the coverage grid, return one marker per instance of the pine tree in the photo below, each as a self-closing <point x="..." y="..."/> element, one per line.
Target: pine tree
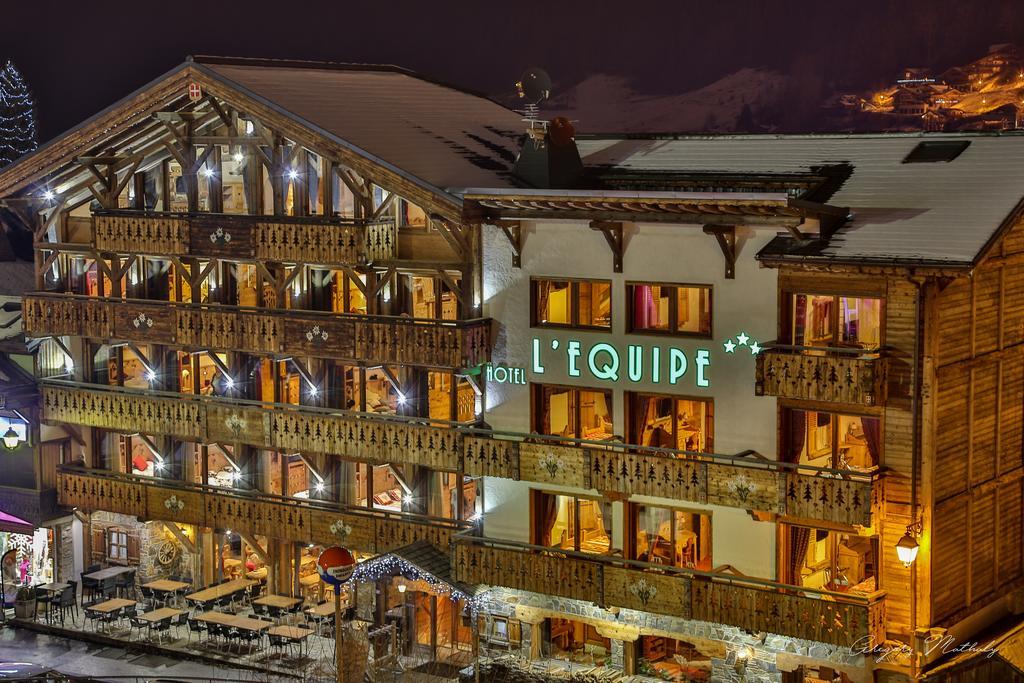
<point x="17" y="115"/>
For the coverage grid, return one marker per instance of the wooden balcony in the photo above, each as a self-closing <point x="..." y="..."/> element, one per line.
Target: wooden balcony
<point x="344" y="336"/>
<point x="753" y="604"/>
<point x="744" y="482"/>
<point x="822" y="374"/>
<point x="290" y="239"/>
<point x="289" y="519"/>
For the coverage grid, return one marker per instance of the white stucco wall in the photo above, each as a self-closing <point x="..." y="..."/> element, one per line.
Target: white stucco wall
<point x="654" y="253"/>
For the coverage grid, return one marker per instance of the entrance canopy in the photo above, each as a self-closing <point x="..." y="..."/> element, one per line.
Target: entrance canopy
<point x="419" y="561"/>
<point x="15" y="525"/>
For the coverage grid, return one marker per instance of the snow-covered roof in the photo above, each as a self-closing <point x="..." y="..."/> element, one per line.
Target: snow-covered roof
<point x="941" y="212"/>
<point x="442" y="135"/>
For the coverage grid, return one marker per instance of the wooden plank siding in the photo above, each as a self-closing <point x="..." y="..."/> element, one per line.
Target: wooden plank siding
<point x="829" y="495"/>
<point x="304" y="522"/>
<point x="749" y="604"/>
<point x="373" y="339"/>
<point x="977" y="332"/>
<point x="891" y="391"/>
<point x="290" y="239"/>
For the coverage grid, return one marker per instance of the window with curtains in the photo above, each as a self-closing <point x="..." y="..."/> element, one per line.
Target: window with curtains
<point x="831" y="560"/>
<point x="670" y="422"/>
<point x="836" y="440"/>
<point x="678" y="538"/>
<point x="572" y="523"/>
<point x="572" y="303"/>
<point x="837" y="321"/>
<point x="572" y="412"/>
<point x="669" y="309"/>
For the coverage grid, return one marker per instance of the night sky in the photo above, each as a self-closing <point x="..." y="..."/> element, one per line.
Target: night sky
<point x="80" y="57"/>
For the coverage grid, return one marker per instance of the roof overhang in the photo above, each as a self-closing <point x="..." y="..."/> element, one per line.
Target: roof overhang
<point x="733" y="208"/>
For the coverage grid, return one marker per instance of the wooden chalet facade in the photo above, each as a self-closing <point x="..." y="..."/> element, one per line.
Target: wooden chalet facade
<point x="287" y="319"/>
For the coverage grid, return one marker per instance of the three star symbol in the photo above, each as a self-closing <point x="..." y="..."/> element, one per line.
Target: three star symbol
<point x="742" y="339"/>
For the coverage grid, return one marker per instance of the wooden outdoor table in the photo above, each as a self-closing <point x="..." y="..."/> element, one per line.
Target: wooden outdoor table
<point x="111" y="605"/>
<point x="214" y="592"/>
<point x="156" y="615"/>
<point x="324" y="610"/>
<point x="250" y="624"/>
<point x="292" y="632"/>
<point x="234" y="620"/>
<point x="53" y="587"/>
<point x="109" y="572"/>
<point x="166" y="585"/>
<point x="282" y="601"/>
<point x="310" y="579"/>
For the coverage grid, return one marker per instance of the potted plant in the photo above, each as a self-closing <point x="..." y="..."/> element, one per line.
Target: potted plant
<point x="25" y="603"/>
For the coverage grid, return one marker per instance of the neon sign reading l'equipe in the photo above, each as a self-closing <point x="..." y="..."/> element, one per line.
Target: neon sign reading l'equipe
<point x="604" y="362"/>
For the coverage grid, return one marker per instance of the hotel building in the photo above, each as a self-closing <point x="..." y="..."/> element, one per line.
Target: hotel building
<point x="703" y="408"/>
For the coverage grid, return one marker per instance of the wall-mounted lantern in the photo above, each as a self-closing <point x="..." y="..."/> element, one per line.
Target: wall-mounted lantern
<point x="907" y="547"/>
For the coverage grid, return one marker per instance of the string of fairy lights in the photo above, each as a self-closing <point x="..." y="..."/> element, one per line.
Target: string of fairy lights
<point x="388" y="566"/>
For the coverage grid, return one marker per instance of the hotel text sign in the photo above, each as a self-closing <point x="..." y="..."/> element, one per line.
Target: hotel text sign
<point x="607" y="363"/>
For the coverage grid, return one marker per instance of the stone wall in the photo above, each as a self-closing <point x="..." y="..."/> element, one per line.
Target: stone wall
<point x="761" y="666"/>
<point x="64" y="553"/>
<point x="160" y="554"/>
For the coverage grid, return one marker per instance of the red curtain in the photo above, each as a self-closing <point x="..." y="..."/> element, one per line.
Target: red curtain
<point x="645" y="313"/>
<point x="873" y="437"/>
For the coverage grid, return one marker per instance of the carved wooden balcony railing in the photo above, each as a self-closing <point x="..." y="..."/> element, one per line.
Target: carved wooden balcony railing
<point x="289" y="519"/>
<point x="745" y="481"/>
<point x="266" y="238"/>
<point x="822" y="374"/>
<point x="752" y="604"/>
<point x="373" y="339"/>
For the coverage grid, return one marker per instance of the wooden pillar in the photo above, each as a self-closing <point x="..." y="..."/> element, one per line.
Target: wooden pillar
<point x="536" y="640"/>
<point x="139" y="191"/>
<point x="629" y="657"/>
<point x="277" y="179"/>
<point x="207" y="553"/>
<point x="215" y="182"/>
<point x="433" y="628"/>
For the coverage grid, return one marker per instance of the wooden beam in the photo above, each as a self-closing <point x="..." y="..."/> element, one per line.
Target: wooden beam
<point x="185" y="541"/>
<point x="312" y="468"/>
<point x="452" y="285"/>
<point x="514" y="232"/>
<point x="612" y="231"/>
<point x="451" y="233"/>
<point x="260" y="551"/>
<point x="726" y="237"/>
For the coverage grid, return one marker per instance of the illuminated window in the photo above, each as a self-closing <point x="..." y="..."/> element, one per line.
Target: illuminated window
<point x="572" y="523"/>
<point x="669" y="422"/>
<point x="831" y="440"/>
<point x="831" y="560"/>
<point x="678" y="538"/>
<point x="828" y="320"/>
<point x="672" y="309"/>
<point x="410" y="215"/>
<point x="572" y="303"/>
<point x="571" y="412"/>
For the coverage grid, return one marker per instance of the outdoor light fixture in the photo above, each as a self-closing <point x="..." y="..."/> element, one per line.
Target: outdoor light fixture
<point x="238" y="156"/>
<point x="48" y="195"/>
<point x="208" y="172"/>
<point x="402" y="588"/>
<point x="743" y="655"/>
<point x="408" y="499"/>
<point x="11" y="439"/>
<point x="319" y="487"/>
<point x="907" y="547"/>
<point x="230" y="382"/>
<point x="402" y="399"/>
<point x="150" y="375"/>
<point x="292" y="174"/>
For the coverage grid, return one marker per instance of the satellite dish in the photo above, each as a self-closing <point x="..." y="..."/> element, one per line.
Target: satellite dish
<point x="534" y="85"/>
<point x="561" y="131"/>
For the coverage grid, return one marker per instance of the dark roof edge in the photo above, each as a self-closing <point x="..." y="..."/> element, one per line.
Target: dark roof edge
<point x="772" y="260"/>
<point x="1005" y="226"/>
<point x="811" y="135"/>
<point x="312" y="64"/>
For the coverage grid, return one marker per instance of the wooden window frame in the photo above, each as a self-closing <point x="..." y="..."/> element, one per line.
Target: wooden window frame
<point x="785" y="565"/>
<point x="673" y="310"/>
<point x="784" y="446"/>
<point x="574" y="304"/>
<point x="536" y="405"/>
<point x="535" y="531"/>
<point x="709" y="416"/>
<point x="789" y="309"/>
<point x="632" y="520"/>
<point x="108" y="543"/>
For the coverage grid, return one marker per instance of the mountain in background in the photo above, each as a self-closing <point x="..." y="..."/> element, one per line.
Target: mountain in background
<point x="985" y="94"/>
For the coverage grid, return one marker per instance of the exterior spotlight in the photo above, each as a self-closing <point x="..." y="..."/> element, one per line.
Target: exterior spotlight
<point x="292" y="174"/>
<point x="208" y="172"/>
<point x="11" y="439"/>
<point x="238" y="157"/>
<point x="402" y="399"/>
<point x="150" y="375"/>
<point x="319" y="487"/>
<point x="48" y="195"/>
<point x="230" y="382"/>
<point x="906" y="549"/>
<point x="402" y="588"/>
<point x="407" y="499"/>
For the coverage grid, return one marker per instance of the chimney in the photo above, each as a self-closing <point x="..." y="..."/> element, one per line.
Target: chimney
<point x="549" y="157"/>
